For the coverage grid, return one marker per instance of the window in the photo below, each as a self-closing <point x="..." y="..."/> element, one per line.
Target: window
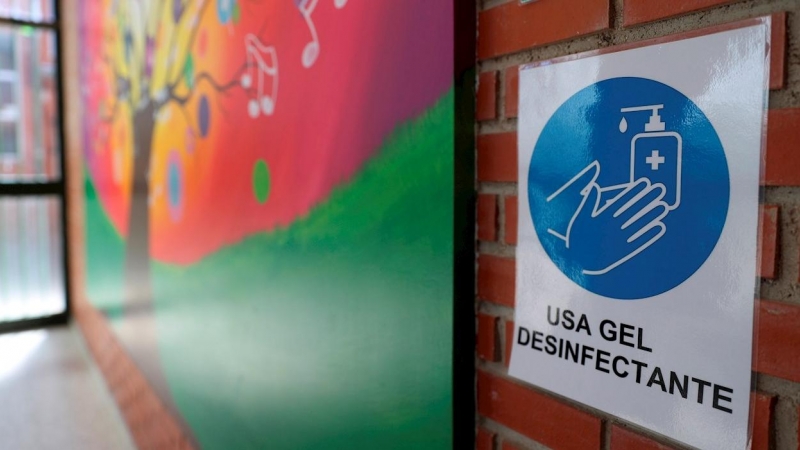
<point x="42" y="11"/>
<point x="28" y="105"/>
<point x="32" y="216"/>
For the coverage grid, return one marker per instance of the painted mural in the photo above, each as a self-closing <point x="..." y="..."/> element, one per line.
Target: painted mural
<point x="269" y="213"/>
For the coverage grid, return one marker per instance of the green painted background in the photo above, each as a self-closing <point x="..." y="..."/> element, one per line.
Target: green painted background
<point x="334" y="333"/>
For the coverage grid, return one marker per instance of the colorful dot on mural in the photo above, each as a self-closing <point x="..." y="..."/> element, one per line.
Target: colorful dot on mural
<point x="150" y="55"/>
<point x="177" y="10"/>
<point x="202" y="43"/>
<point x="261" y="181"/>
<point x="128" y="45"/>
<point x="188" y="71"/>
<point x="225" y="10"/>
<point x="237" y="13"/>
<point x="175" y="186"/>
<point x="190" y="141"/>
<point x="117" y="166"/>
<point x="204" y="116"/>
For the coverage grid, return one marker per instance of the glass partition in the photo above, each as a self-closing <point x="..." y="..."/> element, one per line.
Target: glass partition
<point x="32" y="252"/>
<point x="31" y="273"/>
<point x="29" y="147"/>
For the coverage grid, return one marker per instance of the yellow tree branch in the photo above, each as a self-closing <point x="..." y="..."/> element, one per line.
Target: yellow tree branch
<point x="193" y="22"/>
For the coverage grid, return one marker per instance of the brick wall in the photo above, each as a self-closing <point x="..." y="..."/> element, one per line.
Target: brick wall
<point x="515" y="415"/>
<point x="151" y="423"/>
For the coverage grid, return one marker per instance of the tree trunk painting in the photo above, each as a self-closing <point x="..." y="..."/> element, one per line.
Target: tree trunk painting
<point x="138" y="289"/>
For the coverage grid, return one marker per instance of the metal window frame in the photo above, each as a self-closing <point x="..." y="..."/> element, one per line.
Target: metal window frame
<point x="50" y="188"/>
<point x="463" y="362"/>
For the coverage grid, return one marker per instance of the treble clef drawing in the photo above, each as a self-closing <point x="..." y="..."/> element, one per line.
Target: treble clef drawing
<point x="264" y="61"/>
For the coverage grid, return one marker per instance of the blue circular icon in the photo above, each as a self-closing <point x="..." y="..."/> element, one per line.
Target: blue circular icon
<point x="628" y="188"/>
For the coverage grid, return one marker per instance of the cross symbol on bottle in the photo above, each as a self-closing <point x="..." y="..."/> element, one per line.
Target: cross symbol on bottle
<point x="654" y="160"/>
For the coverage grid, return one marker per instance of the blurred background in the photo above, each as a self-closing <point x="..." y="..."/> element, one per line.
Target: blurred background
<point x="254" y="202"/>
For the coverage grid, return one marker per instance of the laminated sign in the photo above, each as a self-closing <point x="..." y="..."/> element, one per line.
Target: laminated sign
<point x="636" y="263"/>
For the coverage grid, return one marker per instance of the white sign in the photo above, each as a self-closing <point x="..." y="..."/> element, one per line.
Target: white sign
<point x="636" y="262"/>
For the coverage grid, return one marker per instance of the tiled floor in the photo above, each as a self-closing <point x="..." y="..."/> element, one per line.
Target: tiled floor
<point x="52" y="396"/>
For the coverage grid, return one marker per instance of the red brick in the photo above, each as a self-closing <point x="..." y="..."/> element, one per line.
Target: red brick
<point x="486" y="101"/>
<point x="783" y="136"/>
<point x="622" y="439"/>
<point x="509" y="341"/>
<point x="508" y="446"/>
<point x="151" y="425"/>
<point x="764" y="406"/>
<point x="769" y="240"/>
<point x="511" y="27"/>
<point x="777" y="56"/>
<point x="779" y="340"/>
<point x="487" y="325"/>
<point x="512" y="91"/>
<point x="641" y="11"/>
<point x="541" y="418"/>
<point x="483" y="441"/>
<point x="497" y="157"/>
<point x="487" y="217"/>
<point x="496" y="278"/>
<point x="511" y="220"/>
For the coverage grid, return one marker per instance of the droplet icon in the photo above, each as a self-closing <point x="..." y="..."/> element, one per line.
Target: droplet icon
<point x="623" y="125"/>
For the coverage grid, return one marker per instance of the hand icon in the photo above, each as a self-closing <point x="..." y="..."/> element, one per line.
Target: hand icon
<point x="603" y="234"/>
<point x="561" y="204"/>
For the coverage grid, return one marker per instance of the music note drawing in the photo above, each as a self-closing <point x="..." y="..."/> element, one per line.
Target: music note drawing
<point x="311" y="50"/>
<point x="263" y="62"/>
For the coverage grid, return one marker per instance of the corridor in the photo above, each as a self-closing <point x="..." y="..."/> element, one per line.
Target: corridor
<point x="53" y="396"/>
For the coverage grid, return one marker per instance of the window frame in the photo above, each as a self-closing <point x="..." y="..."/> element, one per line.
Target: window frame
<point x="35" y="186"/>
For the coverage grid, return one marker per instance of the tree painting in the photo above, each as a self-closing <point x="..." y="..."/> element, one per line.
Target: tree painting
<point x="211" y="122"/>
<point x="199" y="105"/>
<point x="147" y="73"/>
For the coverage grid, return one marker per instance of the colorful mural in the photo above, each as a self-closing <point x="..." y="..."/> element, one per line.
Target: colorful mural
<point x="269" y="213"/>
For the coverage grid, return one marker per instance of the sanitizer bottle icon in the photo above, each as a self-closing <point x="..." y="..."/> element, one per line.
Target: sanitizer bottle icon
<point x="623" y="220"/>
<point x="617" y="213"/>
<point x="656" y="154"/>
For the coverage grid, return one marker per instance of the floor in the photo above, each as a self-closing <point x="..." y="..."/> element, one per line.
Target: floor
<point x="52" y="395"/>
